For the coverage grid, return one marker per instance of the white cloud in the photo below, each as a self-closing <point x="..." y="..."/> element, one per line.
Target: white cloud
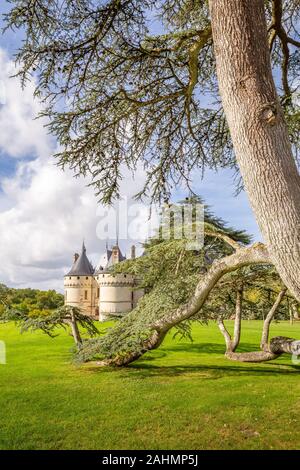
<point x="44" y="212"/>
<point x="20" y="133"/>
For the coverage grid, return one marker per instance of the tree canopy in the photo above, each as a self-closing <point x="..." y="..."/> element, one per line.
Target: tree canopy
<point x="129" y="81"/>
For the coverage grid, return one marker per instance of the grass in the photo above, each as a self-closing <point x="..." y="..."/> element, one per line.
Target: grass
<point x="182" y="396"/>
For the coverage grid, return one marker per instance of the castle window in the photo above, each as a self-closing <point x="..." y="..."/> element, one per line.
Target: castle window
<point x="125" y="275"/>
<point x="78" y="277"/>
<point x="70" y="277"/>
<point x="87" y="278"/>
<point x="98" y="292"/>
<point x="103" y="275"/>
<point x="85" y="295"/>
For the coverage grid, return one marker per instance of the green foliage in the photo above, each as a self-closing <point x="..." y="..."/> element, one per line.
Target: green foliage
<point x="260" y="285"/>
<point x="117" y="94"/>
<point x="49" y="321"/>
<point x="169" y="273"/>
<point x="29" y="301"/>
<point x="41" y="310"/>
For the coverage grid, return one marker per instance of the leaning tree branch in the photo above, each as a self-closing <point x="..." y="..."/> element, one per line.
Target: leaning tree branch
<point x="254" y="254"/>
<point x="225" y="333"/>
<point x="244" y="256"/>
<point x="222" y="236"/>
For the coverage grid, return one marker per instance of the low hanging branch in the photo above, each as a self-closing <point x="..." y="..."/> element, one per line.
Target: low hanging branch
<point x="156" y="331"/>
<point x="245" y="256"/>
<point x="48" y="323"/>
<point x="124" y="343"/>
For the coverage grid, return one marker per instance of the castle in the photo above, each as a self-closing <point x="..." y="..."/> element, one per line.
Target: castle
<point x="100" y="292"/>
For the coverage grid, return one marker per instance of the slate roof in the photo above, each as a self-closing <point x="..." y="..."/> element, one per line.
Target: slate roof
<point x="82" y="266"/>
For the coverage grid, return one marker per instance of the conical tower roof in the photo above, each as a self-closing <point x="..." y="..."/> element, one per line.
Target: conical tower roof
<point x="82" y="266"/>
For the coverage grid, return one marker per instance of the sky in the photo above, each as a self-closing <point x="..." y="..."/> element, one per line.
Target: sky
<point x="46" y="213"/>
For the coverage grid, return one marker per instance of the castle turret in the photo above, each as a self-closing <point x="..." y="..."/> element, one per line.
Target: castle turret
<point x="81" y="289"/>
<point x="116" y="294"/>
<point x="117" y="290"/>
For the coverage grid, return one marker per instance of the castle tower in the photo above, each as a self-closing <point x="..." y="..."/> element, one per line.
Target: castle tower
<point x="117" y="290"/>
<point x="81" y="289"/>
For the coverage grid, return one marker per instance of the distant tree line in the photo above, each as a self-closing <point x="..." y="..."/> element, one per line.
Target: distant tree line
<point x="32" y="310"/>
<point x="32" y="302"/>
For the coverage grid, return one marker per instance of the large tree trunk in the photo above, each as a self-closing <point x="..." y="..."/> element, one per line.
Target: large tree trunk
<point x="258" y="129"/>
<point x="238" y="318"/>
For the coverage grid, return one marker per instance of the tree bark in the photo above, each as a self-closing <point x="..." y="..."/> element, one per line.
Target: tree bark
<point x="278" y="345"/>
<point x="225" y="333"/>
<point x="258" y="129"/>
<point x="252" y="356"/>
<point x="75" y="330"/>
<point x="268" y="352"/>
<point x="238" y="319"/>
<point x="295" y="311"/>
<point x="232" y="343"/>
<point x="282" y="344"/>
<point x="268" y="320"/>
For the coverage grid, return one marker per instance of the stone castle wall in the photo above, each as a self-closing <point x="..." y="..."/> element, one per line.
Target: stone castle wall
<point x="82" y="292"/>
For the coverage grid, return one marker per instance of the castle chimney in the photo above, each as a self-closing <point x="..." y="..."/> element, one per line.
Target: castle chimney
<point x="115" y="254"/>
<point x="133" y="252"/>
<point x="75" y="257"/>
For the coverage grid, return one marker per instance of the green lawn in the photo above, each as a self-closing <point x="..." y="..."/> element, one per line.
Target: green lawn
<point x="182" y="396"/>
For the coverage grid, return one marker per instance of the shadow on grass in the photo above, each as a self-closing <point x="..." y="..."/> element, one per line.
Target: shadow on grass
<point x="205" y="348"/>
<point x="218" y="367"/>
<point x="227" y="367"/>
<point x="213" y="371"/>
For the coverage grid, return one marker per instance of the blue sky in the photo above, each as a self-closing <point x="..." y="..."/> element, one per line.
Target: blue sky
<point x="45" y="213"/>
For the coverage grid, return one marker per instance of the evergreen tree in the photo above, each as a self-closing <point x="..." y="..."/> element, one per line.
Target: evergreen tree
<point x="116" y="94"/>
